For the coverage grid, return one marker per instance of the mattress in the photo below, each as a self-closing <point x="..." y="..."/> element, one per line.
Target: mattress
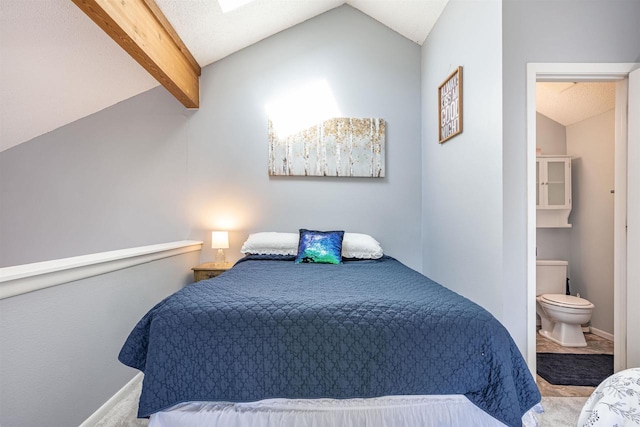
<point x="269" y="328"/>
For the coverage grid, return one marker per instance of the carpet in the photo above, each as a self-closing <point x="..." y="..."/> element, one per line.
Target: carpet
<point x="560" y="411"/>
<point x="574" y="369"/>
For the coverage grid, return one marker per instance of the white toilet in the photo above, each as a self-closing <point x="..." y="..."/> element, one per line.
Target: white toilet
<point x="561" y="316"/>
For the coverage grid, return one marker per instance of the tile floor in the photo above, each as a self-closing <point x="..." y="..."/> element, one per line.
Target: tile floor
<point x="595" y="345"/>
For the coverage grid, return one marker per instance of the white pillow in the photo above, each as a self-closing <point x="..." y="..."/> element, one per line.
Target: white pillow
<point x="271" y="243"/>
<point x="356" y="245"/>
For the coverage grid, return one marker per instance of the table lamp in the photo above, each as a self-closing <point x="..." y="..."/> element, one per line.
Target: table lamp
<point x="220" y="241"/>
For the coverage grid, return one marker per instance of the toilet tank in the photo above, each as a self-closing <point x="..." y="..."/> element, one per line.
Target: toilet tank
<point x="551" y="276"/>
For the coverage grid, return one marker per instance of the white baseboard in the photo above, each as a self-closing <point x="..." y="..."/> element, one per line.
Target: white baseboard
<point x="113" y="401"/>
<point x="603" y="334"/>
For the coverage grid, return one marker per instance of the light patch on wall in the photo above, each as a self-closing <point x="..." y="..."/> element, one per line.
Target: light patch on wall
<point x="224" y="213"/>
<point x="229" y="5"/>
<point x="301" y="108"/>
<point x="225" y="222"/>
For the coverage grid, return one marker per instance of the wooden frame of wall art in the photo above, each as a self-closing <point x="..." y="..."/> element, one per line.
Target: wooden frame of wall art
<point x="450" y="106"/>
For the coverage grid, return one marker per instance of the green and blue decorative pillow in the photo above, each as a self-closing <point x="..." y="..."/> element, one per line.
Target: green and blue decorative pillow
<point x="320" y="247"/>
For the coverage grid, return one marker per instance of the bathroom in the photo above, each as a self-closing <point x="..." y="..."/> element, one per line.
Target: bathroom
<point x="582" y="126"/>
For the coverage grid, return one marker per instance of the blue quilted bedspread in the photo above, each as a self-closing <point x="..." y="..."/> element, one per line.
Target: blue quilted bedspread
<point x="275" y="329"/>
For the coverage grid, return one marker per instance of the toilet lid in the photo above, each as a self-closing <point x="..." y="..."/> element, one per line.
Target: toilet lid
<point x="566" y="300"/>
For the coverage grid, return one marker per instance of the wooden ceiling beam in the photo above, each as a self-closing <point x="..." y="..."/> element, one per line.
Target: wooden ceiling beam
<point x="141" y="29"/>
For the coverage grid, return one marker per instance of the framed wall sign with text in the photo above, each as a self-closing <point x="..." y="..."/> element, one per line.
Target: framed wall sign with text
<point x="450" y="106"/>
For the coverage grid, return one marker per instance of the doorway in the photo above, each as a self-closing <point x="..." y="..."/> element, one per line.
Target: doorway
<point x="575" y="147"/>
<point x="627" y="205"/>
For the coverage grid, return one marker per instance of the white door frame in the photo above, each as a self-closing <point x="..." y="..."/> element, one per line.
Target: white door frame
<point x="568" y="72"/>
<point x="619" y="233"/>
<point x="633" y="222"/>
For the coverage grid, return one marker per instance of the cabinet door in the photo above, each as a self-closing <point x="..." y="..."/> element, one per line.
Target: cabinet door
<point x="558" y="183"/>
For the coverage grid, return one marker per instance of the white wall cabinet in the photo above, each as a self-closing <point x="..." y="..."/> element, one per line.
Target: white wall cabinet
<point x="553" y="191"/>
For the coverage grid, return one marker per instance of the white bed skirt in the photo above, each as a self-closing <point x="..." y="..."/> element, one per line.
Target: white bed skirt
<point x="396" y="411"/>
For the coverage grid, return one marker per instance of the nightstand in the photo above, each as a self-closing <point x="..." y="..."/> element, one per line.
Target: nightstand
<point x="209" y="270"/>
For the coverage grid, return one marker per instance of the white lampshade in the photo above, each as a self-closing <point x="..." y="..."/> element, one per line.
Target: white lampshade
<point x="219" y="239"/>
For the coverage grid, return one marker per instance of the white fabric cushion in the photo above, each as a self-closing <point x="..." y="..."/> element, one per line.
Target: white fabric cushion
<point x="614" y="402"/>
<point x="356" y="245"/>
<point x="271" y="243"/>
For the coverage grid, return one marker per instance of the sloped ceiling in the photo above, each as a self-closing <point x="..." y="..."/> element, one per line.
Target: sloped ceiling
<point x="568" y="103"/>
<point x="57" y="66"/>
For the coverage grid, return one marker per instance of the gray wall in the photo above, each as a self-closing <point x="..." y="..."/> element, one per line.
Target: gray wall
<point x="59" y="346"/>
<point x="113" y="180"/>
<point x="148" y="171"/>
<point x="592" y="144"/>
<point x="462" y="178"/>
<point x="372" y="72"/>
<point x="551" y="136"/>
<point x="546" y="31"/>
<point x="116" y="179"/>
<point x="532" y="31"/>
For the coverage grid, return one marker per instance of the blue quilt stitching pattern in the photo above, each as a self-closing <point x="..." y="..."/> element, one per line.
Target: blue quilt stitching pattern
<point x="274" y="329"/>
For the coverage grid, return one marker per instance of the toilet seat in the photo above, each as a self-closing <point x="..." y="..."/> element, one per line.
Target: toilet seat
<point x="568" y="301"/>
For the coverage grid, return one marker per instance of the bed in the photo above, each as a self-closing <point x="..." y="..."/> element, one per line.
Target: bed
<point x="270" y="332"/>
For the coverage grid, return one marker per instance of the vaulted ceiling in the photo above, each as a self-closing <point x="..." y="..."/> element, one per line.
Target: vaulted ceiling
<point x="57" y="66"/>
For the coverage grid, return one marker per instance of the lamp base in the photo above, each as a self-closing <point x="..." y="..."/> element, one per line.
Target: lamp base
<point x="220" y="259"/>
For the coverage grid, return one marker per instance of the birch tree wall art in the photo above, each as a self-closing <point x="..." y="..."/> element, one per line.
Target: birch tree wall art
<point x="348" y="147"/>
